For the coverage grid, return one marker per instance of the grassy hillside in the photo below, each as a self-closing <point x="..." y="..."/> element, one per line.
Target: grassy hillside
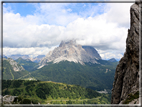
<point x="45" y="92"/>
<point x="9" y="73"/>
<point x="94" y="76"/>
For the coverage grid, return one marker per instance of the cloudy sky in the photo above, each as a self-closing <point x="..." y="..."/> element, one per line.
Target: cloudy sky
<point x="37" y="28"/>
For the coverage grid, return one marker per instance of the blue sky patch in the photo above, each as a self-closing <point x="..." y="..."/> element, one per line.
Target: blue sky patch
<point x="23" y="9"/>
<point x="81" y="9"/>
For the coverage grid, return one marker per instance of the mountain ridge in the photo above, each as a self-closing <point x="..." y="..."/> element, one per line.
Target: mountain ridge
<point x="16" y="67"/>
<point x="27" y="64"/>
<point x="12" y="70"/>
<point x="112" y="60"/>
<point x="71" y="51"/>
<point x="25" y="57"/>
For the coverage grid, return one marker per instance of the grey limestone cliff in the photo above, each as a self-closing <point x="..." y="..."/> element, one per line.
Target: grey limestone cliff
<point x="126" y="81"/>
<point x="91" y="51"/>
<point x="37" y="59"/>
<point x="16" y="67"/>
<point x="71" y="51"/>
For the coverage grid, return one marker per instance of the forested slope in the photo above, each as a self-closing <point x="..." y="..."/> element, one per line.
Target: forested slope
<point x="51" y="92"/>
<point x="94" y="76"/>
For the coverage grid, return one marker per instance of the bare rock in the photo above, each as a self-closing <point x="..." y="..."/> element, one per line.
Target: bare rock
<point x="126" y="79"/>
<point x="71" y="51"/>
<point x="16" y="67"/>
<point x="37" y="59"/>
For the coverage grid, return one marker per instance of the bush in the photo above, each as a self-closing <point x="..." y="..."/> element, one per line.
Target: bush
<point x="17" y="83"/>
<point x="17" y="92"/>
<point x="40" y="93"/>
<point x="69" y="102"/>
<point x="26" y="101"/>
<point x="35" y="101"/>
<point x="131" y="97"/>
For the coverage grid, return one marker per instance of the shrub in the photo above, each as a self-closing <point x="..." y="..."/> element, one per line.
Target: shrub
<point x="131" y="97"/>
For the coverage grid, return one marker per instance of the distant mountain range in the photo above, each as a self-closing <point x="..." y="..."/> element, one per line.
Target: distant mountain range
<point x="26" y="57"/>
<point x="18" y="56"/>
<point x="69" y="63"/>
<point x="3" y="56"/>
<point x="91" y="51"/>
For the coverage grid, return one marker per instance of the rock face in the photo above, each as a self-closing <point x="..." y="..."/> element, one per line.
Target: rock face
<point x="37" y="59"/>
<point x="91" y="51"/>
<point x="126" y="79"/>
<point x="16" y="67"/>
<point x="8" y="99"/>
<point x="71" y="51"/>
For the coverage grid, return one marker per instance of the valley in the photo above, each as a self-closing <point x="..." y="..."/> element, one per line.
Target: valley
<point x="70" y="74"/>
<point x="83" y="53"/>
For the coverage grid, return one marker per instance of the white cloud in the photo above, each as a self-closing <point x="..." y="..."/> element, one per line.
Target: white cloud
<point x="27" y="51"/>
<point x="108" y="54"/>
<point x="97" y="32"/>
<point x="107" y="31"/>
<point x="19" y="33"/>
<point x="52" y="13"/>
<point x="118" y="12"/>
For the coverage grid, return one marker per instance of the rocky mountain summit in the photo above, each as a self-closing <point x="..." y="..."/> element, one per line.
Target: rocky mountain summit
<point x="16" y="67"/>
<point x="126" y="82"/>
<point x="112" y="60"/>
<point x="12" y="70"/>
<point x="37" y="59"/>
<point x="71" y="51"/>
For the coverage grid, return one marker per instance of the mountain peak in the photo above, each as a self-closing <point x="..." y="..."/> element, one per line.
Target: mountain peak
<point x="112" y="60"/>
<point x="70" y="42"/>
<point x="73" y="52"/>
<point x="16" y="67"/>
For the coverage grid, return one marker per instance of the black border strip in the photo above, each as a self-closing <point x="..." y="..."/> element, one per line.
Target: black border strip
<point x="63" y="1"/>
<point x="1" y="70"/>
<point x="43" y="105"/>
<point x="140" y="53"/>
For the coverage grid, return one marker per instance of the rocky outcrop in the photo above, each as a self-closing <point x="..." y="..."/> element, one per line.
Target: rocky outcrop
<point x="126" y="81"/>
<point x="37" y="59"/>
<point x="16" y="67"/>
<point x="71" y="51"/>
<point x="91" y="51"/>
<point x="8" y="99"/>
